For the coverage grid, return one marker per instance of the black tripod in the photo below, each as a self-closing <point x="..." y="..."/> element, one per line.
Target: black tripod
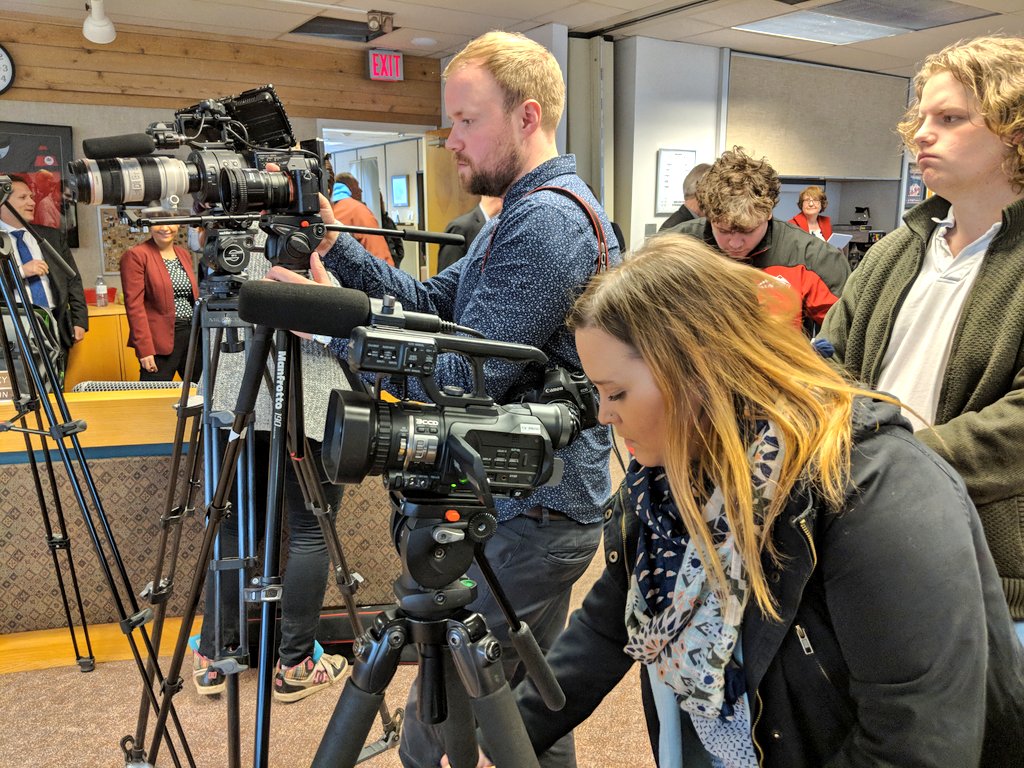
<point x="218" y="311"/>
<point x="28" y="386"/>
<point x="460" y="672"/>
<point x="53" y="422"/>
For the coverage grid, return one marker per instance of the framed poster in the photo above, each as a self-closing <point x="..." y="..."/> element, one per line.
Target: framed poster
<point x="400" y="191"/>
<point x="673" y="165"/>
<point x="40" y="154"/>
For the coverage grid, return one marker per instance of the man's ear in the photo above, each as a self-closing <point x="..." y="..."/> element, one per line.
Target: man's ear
<point x="529" y="116"/>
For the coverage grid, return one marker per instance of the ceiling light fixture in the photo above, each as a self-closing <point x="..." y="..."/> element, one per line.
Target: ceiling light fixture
<point x="821" y="28"/>
<point x="380" y="22"/>
<point x="97" y="27"/>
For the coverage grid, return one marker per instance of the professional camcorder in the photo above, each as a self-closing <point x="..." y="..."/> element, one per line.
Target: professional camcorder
<point x="232" y="139"/>
<point x="460" y="444"/>
<point x="425" y="447"/>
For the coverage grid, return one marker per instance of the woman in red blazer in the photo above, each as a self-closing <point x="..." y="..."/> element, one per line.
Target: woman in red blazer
<point x="812" y="204"/>
<point x="160" y="291"/>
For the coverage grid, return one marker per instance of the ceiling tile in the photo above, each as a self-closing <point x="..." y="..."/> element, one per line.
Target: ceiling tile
<point x="766" y="45"/>
<point x="1002" y="6"/>
<point x="854" y="57"/>
<point x="580" y="15"/>
<point x="669" y="28"/>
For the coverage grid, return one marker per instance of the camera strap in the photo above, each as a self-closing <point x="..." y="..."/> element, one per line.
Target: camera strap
<point x="602" y="242"/>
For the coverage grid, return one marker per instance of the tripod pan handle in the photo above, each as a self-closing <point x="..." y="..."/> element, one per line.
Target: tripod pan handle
<point x="537" y="667"/>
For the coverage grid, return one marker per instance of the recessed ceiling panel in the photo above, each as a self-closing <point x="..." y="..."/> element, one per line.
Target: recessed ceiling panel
<point x="908" y="14"/>
<point x="821" y="27"/>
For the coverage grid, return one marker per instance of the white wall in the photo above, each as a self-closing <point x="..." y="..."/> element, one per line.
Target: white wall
<point x="590" y="115"/>
<point x="667" y="96"/>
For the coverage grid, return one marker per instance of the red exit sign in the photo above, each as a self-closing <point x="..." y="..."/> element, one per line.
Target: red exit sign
<point x="386" y="65"/>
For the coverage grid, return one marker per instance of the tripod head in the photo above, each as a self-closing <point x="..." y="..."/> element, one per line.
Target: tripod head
<point x="438" y="539"/>
<point x="438" y="536"/>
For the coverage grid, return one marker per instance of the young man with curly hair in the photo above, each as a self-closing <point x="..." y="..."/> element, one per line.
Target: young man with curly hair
<point x="935" y="312"/>
<point x="737" y="196"/>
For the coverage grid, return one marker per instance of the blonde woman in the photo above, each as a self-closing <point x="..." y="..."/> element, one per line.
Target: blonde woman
<point x="802" y="582"/>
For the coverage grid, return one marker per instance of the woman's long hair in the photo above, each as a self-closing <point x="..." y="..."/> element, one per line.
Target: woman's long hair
<point x="719" y="340"/>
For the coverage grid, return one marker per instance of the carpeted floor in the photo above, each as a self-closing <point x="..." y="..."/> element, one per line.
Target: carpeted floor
<point x="63" y="718"/>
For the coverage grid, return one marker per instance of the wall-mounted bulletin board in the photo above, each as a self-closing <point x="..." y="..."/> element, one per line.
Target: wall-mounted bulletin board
<point x="816" y="121"/>
<point x="117" y="237"/>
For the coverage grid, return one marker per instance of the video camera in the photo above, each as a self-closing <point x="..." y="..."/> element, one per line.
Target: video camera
<point x="232" y="138"/>
<point x="232" y="141"/>
<point x="459" y="444"/>
<point x="437" y="448"/>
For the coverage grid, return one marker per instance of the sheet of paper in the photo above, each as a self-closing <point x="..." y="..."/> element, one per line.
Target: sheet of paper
<point x="840" y="240"/>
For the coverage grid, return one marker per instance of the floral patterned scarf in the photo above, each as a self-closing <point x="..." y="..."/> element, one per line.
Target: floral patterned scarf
<point x="676" y="621"/>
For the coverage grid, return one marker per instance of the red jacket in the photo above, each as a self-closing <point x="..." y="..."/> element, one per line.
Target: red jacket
<point x="823" y="221"/>
<point x="149" y="297"/>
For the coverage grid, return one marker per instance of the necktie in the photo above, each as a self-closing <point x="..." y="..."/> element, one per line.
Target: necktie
<point x="35" y="282"/>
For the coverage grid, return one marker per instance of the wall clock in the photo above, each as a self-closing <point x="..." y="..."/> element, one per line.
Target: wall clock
<point x="6" y="70"/>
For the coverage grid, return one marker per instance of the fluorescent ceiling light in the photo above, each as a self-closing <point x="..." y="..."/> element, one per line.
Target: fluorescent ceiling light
<point x="821" y="28"/>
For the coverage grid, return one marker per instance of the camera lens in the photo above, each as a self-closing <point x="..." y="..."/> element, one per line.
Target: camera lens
<point x="248" y="189"/>
<point x="352" y="447"/>
<point x="130" y="180"/>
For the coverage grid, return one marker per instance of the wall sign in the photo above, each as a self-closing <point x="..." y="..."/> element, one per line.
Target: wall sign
<point x="387" y="65"/>
<point x="673" y="165"/>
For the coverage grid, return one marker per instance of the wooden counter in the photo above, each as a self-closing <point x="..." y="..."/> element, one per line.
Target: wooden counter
<point x="104" y="354"/>
<point x="118" y="423"/>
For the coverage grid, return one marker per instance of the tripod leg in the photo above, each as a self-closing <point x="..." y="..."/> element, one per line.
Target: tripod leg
<point x="307" y="467"/>
<point x="244" y="409"/>
<point x="477" y="656"/>
<point x="55" y="543"/>
<point x="377" y="653"/>
<point x="460" y="742"/>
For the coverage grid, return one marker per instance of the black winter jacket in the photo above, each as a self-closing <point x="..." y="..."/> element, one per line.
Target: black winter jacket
<point x="895" y="645"/>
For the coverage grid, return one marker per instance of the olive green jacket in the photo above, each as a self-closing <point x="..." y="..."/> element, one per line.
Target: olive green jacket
<point x="980" y="415"/>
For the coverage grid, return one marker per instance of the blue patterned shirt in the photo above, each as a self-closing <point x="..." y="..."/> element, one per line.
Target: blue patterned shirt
<point x="542" y="251"/>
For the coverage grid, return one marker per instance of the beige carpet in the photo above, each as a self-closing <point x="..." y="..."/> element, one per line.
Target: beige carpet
<point x="62" y="717"/>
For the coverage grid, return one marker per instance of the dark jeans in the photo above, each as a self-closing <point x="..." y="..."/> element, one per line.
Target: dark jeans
<point x="305" y="575"/>
<point x="168" y="365"/>
<point x="536" y="562"/>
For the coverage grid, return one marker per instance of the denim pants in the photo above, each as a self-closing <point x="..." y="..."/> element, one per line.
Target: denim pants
<point x="536" y="563"/>
<point x="305" y="574"/>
